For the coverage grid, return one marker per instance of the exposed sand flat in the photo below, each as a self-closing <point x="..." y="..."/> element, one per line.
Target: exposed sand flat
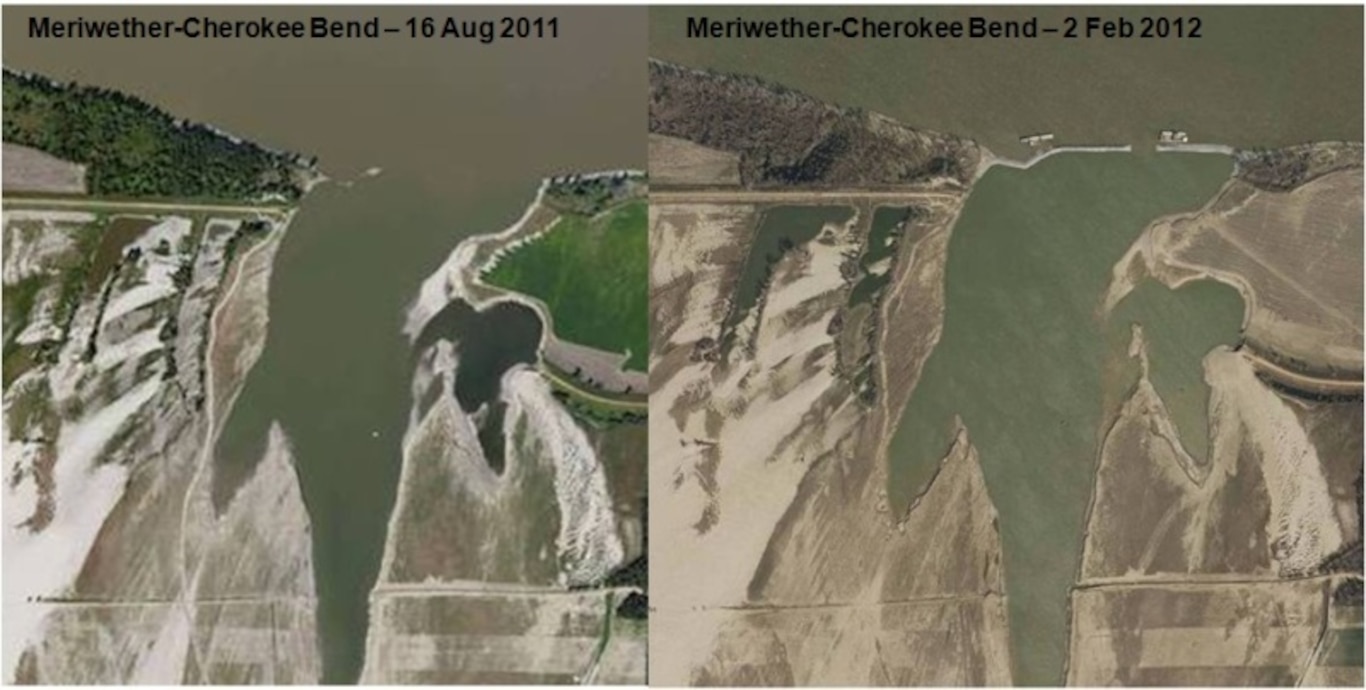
<point x="1336" y="431"/>
<point x="157" y="280"/>
<point x="271" y="642"/>
<point x="1175" y="634"/>
<point x="489" y="601"/>
<point x="931" y="642"/>
<point x="261" y="546"/>
<point x="723" y="468"/>
<point x="93" y="644"/>
<point x="922" y="605"/>
<point x="447" y="487"/>
<point x="35" y="242"/>
<point x="785" y="566"/>
<point x="166" y="661"/>
<point x="675" y="161"/>
<point x="1294" y="255"/>
<point x="748" y="461"/>
<point x="588" y="542"/>
<point x="134" y="347"/>
<point x="1262" y="504"/>
<point x="46" y="563"/>
<point x="30" y="170"/>
<point x="531" y="638"/>
<point x="146" y="595"/>
<point x="696" y="253"/>
<point x="250" y="616"/>
<point x="1303" y="527"/>
<point x="146" y="642"/>
<point x="814" y="270"/>
<point x="946" y="546"/>
<point x="244" y="313"/>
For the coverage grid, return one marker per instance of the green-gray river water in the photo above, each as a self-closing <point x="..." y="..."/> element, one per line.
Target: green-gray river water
<point x="1022" y="357"/>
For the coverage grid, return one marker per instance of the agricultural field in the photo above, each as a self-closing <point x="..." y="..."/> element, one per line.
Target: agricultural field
<point x="506" y="635"/>
<point x="682" y="162"/>
<point x="591" y="274"/>
<point x="31" y="170"/>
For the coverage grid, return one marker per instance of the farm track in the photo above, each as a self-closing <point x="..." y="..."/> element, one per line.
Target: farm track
<point x="1302" y="381"/>
<point x="95" y="204"/>
<point x="581" y="392"/>
<point x="1209" y="580"/>
<point x="482" y="588"/>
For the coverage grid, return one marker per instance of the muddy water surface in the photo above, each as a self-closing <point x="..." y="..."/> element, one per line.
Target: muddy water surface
<point x="1256" y="76"/>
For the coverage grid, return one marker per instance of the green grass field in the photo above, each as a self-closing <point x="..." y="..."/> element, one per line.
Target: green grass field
<point x="592" y="274"/>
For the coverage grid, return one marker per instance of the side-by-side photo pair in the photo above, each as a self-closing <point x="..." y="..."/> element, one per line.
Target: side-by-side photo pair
<point x="664" y="345"/>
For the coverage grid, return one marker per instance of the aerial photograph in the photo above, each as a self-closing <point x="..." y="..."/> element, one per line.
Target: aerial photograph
<point x="1029" y="359"/>
<point x="325" y="359"/>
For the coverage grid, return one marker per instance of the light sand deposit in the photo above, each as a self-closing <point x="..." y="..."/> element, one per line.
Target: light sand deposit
<point x="784" y="565"/>
<point x="489" y="601"/>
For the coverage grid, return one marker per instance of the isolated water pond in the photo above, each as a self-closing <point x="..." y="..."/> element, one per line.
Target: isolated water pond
<point x="487" y="344"/>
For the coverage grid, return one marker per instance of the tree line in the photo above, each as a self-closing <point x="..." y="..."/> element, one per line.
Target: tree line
<point x="133" y="149"/>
